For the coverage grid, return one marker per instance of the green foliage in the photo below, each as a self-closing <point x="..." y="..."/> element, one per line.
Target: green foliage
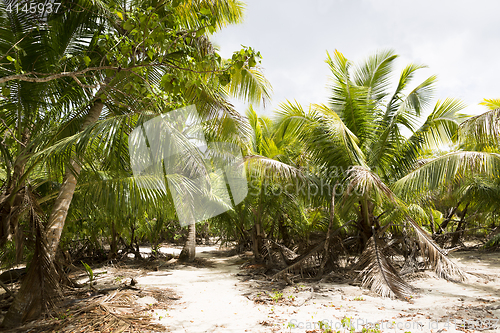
<point x="147" y="59"/>
<point x="90" y="273"/>
<point x="154" y="228"/>
<point x="277" y="296"/>
<point x="347" y="324"/>
<point x="493" y="242"/>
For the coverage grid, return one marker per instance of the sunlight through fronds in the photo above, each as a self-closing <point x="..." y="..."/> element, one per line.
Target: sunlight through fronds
<point x="481" y="131"/>
<point x="446" y="170"/>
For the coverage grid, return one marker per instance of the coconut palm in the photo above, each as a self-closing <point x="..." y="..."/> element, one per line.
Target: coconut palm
<point x="358" y="140"/>
<point x="471" y="173"/>
<point x="273" y="166"/>
<point x="117" y="75"/>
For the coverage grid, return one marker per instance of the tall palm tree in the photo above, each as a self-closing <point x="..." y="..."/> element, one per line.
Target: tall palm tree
<point x="121" y="79"/>
<point x="273" y="166"/>
<point x="360" y="134"/>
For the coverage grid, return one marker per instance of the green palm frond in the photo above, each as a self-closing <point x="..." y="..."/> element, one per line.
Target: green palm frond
<point x="420" y="96"/>
<point x="446" y="170"/>
<point x="481" y="131"/>
<point x="401" y="111"/>
<point x="273" y="169"/>
<point x="405" y="78"/>
<point x="440" y="128"/>
<point x="224" y="11"/>
<point x="491" y="103"/>
<point x="250" y="85"/>
<point x="375" y="73"/>
<point x="328" y="140"/>
<point x="350" y="101"/>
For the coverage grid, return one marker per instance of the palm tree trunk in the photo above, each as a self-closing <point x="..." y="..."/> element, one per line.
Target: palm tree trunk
<point x="188" y="253"/>
<point x="32" y="293"/>
<point x="257" y="240"/>
<point x="12" y="198"/>
<point x="460" y="228"/>
<point x="61" y="206"/>
<point x="365" y="219"/>
<point x="113" y="253"/>
<point x="326" y="254"/>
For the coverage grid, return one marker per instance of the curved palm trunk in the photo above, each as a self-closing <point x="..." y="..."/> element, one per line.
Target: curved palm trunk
<point x="61" y="206"/>
<point x="29" y="301"/>
<point x="188" y="252"/>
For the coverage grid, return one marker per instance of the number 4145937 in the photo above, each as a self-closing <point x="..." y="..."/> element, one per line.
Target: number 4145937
<point x="33" y="7"/>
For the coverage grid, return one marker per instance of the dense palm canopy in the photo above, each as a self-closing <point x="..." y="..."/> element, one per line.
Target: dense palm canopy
<point x="74" y="87"/>
<point x="357" y="141"/>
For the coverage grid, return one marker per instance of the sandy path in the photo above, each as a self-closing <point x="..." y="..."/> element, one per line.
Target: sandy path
<point x="214" y="299"/>
<point x="210" y="300"/>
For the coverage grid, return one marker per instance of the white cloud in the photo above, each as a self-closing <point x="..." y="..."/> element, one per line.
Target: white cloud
<point x="456" y="39"/>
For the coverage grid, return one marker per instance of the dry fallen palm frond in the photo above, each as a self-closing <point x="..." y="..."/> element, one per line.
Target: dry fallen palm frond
<point x="301" y="261"/>
<point x="444" y="267"/>
<point x="379" y="275"/>
<point x="276" y="253"/>
<point x="115" y="312"/>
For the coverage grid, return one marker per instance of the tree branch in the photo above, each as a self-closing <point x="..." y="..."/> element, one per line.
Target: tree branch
<point x="51" y="76"/>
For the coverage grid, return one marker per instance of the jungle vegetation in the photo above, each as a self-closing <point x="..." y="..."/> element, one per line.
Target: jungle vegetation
<point x="382" y="178"/>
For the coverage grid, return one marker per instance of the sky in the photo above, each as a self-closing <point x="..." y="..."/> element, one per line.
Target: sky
<point x="458" y="40"/>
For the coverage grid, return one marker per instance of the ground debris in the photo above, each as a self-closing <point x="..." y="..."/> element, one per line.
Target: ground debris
<point x="118" y="311"/>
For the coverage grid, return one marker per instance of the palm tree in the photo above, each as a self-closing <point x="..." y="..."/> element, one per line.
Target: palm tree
<point x="273" y="163"/>
<point x="116" y="80"/>
<point x="360" y="134"/>
<point x="469" y="174"/>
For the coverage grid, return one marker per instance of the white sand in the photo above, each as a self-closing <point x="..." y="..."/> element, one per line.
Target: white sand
<point x="214" y="299"/>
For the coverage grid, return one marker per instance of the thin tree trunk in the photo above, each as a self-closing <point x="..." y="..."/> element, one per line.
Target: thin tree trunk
<point x="188" y="253"/>
<point x="114" y="245"/>
<point x="326" y="254"/>
<point x="28" y="303"/>
<point x="61" y="206"/>
<point x="440" y="237"/>
<point x="364" y="222"/>
<point x="283" y="231"/>
<point x="448" y="219"/>
<point x="11" y="200"/>
<point x="257" y="241"/>
<point x="460" y="228"/>
<point x="433" y="229"/>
